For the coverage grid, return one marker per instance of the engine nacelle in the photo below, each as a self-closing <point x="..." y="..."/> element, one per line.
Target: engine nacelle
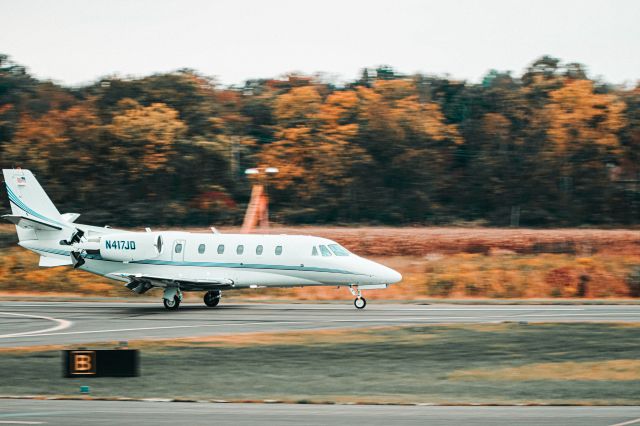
<point x="131" y="246"/>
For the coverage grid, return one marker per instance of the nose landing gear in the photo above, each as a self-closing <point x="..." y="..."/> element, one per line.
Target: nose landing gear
<point x="360" y="302"/>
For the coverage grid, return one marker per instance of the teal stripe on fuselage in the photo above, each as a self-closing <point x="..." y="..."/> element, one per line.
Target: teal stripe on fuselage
<point x="245" y="266"/>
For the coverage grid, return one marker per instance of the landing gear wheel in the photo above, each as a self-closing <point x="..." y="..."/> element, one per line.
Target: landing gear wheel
<point x="360" y="303"/>
<point x="212" y="298"/>
<point x="172" y="304"/>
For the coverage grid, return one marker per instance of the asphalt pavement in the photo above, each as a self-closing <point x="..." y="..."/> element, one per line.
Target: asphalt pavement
<point x="54" y="412"/>
<point x="62" y="323"/>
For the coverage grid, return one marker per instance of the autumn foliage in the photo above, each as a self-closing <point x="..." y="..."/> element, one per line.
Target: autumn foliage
<point x="550" y="147"/>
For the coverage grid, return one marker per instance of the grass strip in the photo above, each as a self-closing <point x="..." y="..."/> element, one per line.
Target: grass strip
<point x="493" y="364"/>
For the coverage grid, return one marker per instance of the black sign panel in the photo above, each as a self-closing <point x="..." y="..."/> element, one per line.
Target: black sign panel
<point x="100" y="363"/>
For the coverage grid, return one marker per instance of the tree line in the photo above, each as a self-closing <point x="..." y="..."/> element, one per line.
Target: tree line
<point x="551" y="147"/>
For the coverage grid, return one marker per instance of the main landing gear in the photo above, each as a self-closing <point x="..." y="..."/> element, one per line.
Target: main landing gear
<point x="171" y="298"/>
<point x="212" y="298"/>
<point x="360" y="302"/>
<point x="171" y="304"/>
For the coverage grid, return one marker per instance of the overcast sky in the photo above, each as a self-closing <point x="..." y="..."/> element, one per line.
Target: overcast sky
<point x="77" y="41"/>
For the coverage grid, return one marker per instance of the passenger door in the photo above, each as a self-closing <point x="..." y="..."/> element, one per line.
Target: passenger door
<point x="177" y="254"/>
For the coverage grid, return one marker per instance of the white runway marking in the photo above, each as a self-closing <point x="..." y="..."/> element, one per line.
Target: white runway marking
<point x="433" y="320"/>
<point x="62" y="324"/>
<point x="630" y="422"/>
<point x="611" y="314"/>
<point x="162" y="328"/>
<point x="19" y="422"/>
<point x="378" y="309"/>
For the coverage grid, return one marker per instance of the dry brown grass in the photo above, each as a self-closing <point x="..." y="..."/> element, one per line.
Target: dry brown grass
<point x="613" y="370"/>
<point x="298" y="338"/>
<point x="434" y="262"/>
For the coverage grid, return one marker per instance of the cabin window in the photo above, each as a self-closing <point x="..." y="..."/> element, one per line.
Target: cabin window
<point x="201" y="248"/>
<point x="259" y="250"/>
<point x="314" y="252"/>
<point x="178" y="248"/>
<point x="278" y="250"/>
<point x="325" y="251"/>
<point x="240" y="249"/>
<point x="338" y="250"/>
<point x="221" y="249"/>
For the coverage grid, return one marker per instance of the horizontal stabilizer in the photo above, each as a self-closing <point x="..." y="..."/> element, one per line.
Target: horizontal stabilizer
<point x="30" y="223"/>
<point x="50" y="262"/>
<point x="70" y="217"/>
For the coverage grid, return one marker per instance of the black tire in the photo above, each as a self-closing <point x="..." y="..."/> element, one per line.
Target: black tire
<point x="172" y="306"/>
<point x="360" y="302"/>
<point x="212" y="298"/>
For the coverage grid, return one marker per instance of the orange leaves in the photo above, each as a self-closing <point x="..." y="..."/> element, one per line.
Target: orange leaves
<point x="433" y="124"/>
<point x="338" y="107"/>
<point x="294" y="134"/>
<point x="496" y="125"/>
<point x="313" y="148"/>
<point x="577" y="115"/>
<point x="45" y="141"/>
<point x="147" y="135"/>
<point x="319" y="141"/>
<point x="394" y="106"/>
<point x="297" y="106"/>
<point x="394" y="89"/>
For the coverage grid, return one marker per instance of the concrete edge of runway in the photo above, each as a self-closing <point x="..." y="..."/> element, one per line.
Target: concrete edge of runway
<point x="293" y="401"/>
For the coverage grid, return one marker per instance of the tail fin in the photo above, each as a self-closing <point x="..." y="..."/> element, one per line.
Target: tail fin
<point x="30" y="205"/>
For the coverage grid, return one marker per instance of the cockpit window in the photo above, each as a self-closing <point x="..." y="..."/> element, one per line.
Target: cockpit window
<point x="338" y="250"/>
<point x="314" y="252"/>
<point x="325" y="251"/>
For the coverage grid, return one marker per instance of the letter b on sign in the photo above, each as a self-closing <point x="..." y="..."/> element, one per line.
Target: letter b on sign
<point x="82" y="362"/>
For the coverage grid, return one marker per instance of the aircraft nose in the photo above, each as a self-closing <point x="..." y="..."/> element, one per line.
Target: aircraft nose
<point x="391" y="276"/>
<point x="380" y="274"/>
<point x="388" y="275"/>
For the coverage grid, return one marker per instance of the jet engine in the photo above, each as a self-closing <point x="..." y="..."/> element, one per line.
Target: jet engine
<point x="130" y="246"/>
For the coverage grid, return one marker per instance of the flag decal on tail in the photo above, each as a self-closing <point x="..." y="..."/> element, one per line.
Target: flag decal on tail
<point x="21" y="180"/>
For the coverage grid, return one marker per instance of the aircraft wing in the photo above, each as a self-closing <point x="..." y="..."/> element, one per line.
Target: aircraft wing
<point x="140" y="283"/>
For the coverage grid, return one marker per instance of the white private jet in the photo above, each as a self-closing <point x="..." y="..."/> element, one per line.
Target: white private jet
<point x="184" y="261"/>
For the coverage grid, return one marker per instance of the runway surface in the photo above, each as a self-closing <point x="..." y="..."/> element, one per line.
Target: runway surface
<point x="42" y="323"/>
<point x="165" y="413"/>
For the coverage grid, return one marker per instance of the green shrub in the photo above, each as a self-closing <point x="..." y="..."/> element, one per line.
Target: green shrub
<point x="441" y="288"/>
<point x="633" y="282"/>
